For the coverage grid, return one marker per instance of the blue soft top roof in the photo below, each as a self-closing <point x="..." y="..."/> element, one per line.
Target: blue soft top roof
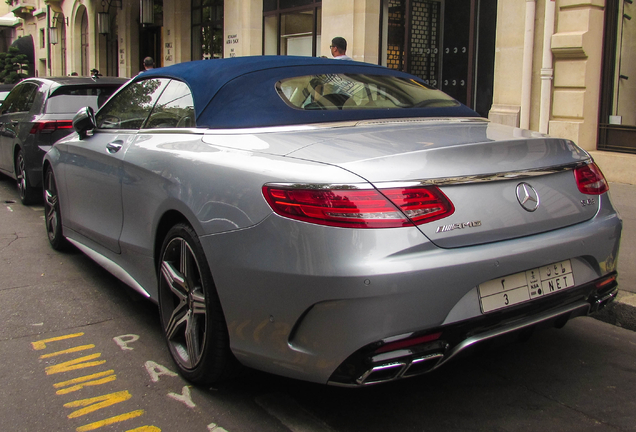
<point x="241" y="91"/>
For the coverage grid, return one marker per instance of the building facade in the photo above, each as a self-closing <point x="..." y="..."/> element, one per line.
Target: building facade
<point x="564" y="67"/>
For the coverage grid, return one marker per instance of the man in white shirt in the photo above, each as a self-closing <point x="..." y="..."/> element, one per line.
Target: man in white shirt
<point x="339" y="48"/>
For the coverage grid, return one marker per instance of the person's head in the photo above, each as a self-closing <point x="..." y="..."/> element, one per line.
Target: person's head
<point x="338" y="46"/>
<point x="317" y="86"/>
<point x="149" y="63"/>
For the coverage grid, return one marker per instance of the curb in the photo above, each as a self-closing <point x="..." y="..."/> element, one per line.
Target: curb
<point x="621" y="312"/>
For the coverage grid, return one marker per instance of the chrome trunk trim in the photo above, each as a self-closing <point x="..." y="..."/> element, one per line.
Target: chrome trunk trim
<point x="485" y="178"/>
<point x="444" y="181"/>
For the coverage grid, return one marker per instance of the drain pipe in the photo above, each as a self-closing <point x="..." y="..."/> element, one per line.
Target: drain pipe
<point x="547" y="73"/>
<point x="526" y="71"/>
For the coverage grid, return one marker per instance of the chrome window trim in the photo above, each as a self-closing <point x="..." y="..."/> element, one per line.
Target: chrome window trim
<point x="343" y="123"/>
<point x="192" y="130"/>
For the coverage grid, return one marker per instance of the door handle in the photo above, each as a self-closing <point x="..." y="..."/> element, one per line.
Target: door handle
<point x="115" y="146"/>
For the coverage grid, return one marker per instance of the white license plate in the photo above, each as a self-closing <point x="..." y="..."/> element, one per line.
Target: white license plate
<point x="525" y="286"/>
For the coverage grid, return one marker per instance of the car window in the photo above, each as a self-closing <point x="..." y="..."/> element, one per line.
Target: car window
<point x="359" y="91"/>
<point x="69" y="99"/>
<point x="20" y="99"/>
<point x="174" y="109"/>
<point x="130" y="108"/>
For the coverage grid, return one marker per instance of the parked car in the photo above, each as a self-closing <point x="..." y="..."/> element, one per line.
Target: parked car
<point x="4" y="90"/>
<point x="36" y="113"/>
<point x="336" y="222"/>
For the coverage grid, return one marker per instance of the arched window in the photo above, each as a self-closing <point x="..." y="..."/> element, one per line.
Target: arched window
<point x="84" y="42"/>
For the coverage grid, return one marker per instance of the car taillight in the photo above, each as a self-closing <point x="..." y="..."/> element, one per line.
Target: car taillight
<point x="360" y="208"/>
<point x="590" y="179"/>
<point x="51" y="126"/>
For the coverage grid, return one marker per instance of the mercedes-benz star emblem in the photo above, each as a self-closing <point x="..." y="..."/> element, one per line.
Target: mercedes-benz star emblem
<point x="528" y="197"/>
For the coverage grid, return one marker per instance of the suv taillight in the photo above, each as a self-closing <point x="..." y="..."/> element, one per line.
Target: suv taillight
<point x="50" y="126"/>
<point x="590" y="179"/>
<point x="360" y="208"/>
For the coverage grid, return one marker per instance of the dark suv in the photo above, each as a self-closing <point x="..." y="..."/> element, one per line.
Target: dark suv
<point x="37" y="113"/>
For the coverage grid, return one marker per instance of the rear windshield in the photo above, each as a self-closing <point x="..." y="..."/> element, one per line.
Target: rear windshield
<point x="359" y="91"/>
<point x="67" y="100"/>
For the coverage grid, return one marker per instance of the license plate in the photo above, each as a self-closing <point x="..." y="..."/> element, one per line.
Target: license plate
<point x="521" y="287"/>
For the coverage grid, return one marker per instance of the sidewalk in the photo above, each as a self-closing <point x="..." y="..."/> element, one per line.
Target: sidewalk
<point x="622" y="312"/>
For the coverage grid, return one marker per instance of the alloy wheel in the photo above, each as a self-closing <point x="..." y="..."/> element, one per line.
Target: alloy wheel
<point x="51" y="206"/>
<point x="183" y="303"/>
<point x="21" y="176"/>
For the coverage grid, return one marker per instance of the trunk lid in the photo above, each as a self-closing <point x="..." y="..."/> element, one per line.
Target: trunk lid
<point x="486" y="170"/>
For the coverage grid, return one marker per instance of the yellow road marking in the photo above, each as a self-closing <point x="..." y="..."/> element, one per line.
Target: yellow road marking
<point x="41" y="344"/>
<point x="87" y="384"/>
<point x="83" y="379"/>
<point x="145" y="429"/>
<point x="74" y="364"/>
<point x="96" y="403"/>
<point x="109" y="421"/>
<point x="68" y="351"/>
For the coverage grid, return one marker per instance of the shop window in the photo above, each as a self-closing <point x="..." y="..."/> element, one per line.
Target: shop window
<point x="207" y="29"/>
<point x="617" y="125"/>
<point x="292" y="27"/>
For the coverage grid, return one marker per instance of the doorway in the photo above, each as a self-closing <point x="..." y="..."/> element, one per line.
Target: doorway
<point x="150" y="45"/>
<point x="617" y="118"/>
<point x="448" y="43"/>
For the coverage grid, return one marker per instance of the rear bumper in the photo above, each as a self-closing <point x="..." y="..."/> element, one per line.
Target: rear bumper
<point x="373" y="364"/>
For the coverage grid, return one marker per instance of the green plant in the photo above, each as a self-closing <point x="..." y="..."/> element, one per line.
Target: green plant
<point x="14" y="66"/>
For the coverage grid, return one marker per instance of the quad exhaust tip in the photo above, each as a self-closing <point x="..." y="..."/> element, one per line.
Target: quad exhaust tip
<point x="400" y="369"/>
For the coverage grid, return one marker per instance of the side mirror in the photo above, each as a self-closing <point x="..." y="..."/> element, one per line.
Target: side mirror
<point x="84" y="121"/>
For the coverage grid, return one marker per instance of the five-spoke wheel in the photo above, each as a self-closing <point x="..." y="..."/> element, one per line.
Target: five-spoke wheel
<point x="190" y="310"/>
<point x="52" y="212"/>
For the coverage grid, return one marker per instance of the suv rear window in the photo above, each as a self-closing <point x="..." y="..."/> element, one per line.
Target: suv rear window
<point x="359" y="91"/>
<point x="69" y="99"/>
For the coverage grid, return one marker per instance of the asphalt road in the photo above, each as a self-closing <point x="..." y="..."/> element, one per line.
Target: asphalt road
<point x="79" y="351"/>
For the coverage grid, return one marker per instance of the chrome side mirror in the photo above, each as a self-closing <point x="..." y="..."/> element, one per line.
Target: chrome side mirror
<point x="84" y="121"/>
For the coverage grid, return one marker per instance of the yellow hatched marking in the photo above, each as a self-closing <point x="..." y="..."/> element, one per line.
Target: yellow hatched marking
<point x="68" y="351"/>
<point x="97" y="403"/>
<point x="112" y="420"/>
<point x="41" y="344"/>
<point x="75" y="364"/>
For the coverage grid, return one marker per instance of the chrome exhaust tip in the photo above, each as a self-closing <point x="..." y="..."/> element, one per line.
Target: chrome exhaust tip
<point x="400" y="369"/>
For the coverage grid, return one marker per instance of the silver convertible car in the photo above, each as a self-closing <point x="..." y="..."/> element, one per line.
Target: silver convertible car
<point x="330" y="221"/>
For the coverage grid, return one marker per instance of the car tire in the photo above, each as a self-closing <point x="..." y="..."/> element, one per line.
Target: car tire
<point x="28" y="194"/>
<point x="52" y="215"/>
<point x="191" y="315"/>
